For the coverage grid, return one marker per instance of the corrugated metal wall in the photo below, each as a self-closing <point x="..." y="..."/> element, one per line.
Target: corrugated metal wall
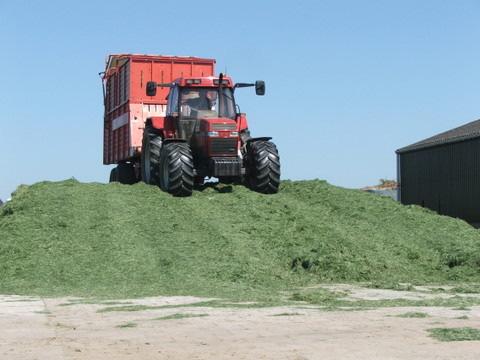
<point x="444" y="178"/>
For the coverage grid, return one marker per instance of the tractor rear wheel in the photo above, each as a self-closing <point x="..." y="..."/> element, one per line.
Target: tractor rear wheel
<point x="176" y="169"/>
<point x="150" y="160"/>
<point x="126" y="174"/>
<point x="263" y="167"/>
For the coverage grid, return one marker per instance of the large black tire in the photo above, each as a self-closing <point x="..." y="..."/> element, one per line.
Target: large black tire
<point x="126" y="174"/>
<point x="263" y="167"/>
<point x="113" y="175"/>
<point x="150" y="160"/>
<point x="176" y="169"/>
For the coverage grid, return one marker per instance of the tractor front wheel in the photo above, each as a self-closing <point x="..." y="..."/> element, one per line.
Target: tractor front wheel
<point x="176" y="169"/>
<point x="263" y="167"/>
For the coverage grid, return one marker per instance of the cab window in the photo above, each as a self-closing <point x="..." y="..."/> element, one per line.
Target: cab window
<point x="172" y="106"/>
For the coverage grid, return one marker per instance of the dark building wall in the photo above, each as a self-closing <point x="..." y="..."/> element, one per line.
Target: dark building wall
<point x="444" y="178"/>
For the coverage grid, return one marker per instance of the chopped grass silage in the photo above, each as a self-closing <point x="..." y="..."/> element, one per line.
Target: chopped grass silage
<point x="127" y="325"/>
<point x="178" y="316"/>
<point x="413" y="314"/>
<point x="288" y="314"/>
<point x="70" y="238"/>
<point x="455" y="334"/>
<point x="333" y="300"/>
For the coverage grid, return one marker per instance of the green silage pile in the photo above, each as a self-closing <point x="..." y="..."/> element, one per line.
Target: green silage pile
<point x="70" y="238"/>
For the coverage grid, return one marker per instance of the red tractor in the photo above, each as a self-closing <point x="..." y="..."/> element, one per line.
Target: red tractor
<point x="190" y="126"/>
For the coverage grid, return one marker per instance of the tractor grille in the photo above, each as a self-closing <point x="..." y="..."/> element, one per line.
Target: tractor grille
<point x="223" y="127"/>
<point x="223" y="146"/>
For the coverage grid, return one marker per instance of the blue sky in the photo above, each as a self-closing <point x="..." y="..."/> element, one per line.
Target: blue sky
<point x="348" y="82"/>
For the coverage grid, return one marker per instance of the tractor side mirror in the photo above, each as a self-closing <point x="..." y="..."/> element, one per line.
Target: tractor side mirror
<point x="151" y="88"/>
<point x="260" y="87"/>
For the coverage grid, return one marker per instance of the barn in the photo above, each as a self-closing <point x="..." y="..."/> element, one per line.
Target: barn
<point x="442" y="173"/>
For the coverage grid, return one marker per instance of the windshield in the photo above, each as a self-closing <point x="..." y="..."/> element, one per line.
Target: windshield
<point x="197" y="103"/>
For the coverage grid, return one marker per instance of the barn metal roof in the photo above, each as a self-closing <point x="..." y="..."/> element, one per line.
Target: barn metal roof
<point x="461" y="133"/>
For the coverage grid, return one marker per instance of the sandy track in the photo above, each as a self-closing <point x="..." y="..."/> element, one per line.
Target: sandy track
<point x="35" y="328"/>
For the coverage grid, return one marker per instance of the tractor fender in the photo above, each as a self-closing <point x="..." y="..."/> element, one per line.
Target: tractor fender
<point x="265" y="138"/>
<point x="251" y="140"/>
<point x="157" y="122"/>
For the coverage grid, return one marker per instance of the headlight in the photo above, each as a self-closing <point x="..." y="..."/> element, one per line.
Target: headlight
<point x="212" y="133"/>
<point x="234" y="134"/>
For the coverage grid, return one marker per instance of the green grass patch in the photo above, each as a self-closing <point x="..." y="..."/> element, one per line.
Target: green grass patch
<point x="414" y="314"/>
<point x="455" y="334"/>
<point x="390" y="286"/>
<point x="117" y="241"/>
<point x="46" y="312"/>
<point x="464" y="317"/>
<point x="207" y="304"/>
<point x="287" y="314"/>
<point x="127" y="325"/>
<point x="177" y="316"/>
<point x="330" y="300"/>
<point x="319" y="296"/>
<point x="466" y="289"/>
<point x="128" y="308"/>
<point x="94" y="302"/>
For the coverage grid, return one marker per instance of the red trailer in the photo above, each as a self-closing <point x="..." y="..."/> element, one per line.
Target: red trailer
<point x="169" y="121"/>
<point x="127" y="105"/>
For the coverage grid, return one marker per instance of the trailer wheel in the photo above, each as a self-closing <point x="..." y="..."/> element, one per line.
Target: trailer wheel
<point x="150" y="159"/>
<point x="113" y="175"/>
<point x="263" y="167"/>
<point x="176" y="169"/>
<point x="126" y="174"/>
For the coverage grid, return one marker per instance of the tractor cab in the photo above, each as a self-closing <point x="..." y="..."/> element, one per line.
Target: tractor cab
<point x="204" y="102"/>
<point x="199" y="103"/>
<point x="194" y="104"/>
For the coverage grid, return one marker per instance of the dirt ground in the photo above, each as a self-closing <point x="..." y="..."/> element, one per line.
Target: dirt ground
<point x="61" y="328"/>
